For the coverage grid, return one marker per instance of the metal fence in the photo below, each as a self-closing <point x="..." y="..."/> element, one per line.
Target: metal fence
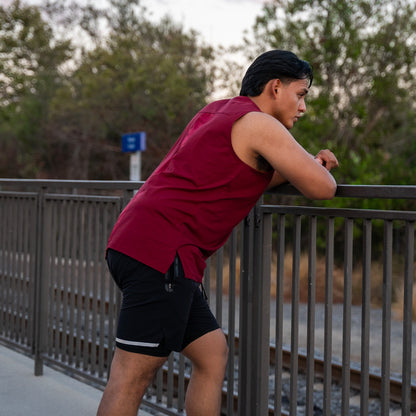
<point x="284" y="288"/>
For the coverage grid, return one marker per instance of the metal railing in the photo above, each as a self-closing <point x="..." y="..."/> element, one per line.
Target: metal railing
<point x="272" y="287"/>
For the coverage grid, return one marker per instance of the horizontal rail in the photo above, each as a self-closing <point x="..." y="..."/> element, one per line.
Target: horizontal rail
<point x="59" y="184"/>
<point x="341" y="212"/>
<point x="343" y="191"/>
<point x="359" y="191"/>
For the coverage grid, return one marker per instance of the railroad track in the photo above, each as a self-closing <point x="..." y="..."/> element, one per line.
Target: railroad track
<point x="375" y="382"/>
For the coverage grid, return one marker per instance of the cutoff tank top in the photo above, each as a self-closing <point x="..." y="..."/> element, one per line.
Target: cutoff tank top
<point x="195" y="197"/>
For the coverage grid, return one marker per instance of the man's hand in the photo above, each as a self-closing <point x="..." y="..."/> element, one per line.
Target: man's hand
<point x="327" y="159"/>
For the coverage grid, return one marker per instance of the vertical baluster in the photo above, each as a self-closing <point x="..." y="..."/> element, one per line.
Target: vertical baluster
<point x="3" y="273"/>
<point x="95" y="297"/>
<point x="261" y="308"/>
<point x="159" y="385"/>
<point x="19" y="280"/>
<point x="279" y="313"/>
<point x="101" y="267"/>
<point x="48" y="276"/>
<point x="231" y="322"/>
<point x="102" y="297"/>
<point x="9" y="270"/>
<point x="55" y="297"/>
<point x="89" y="274"/>
<point x="170" y="381"/>
<point x="407" y="318"/>
<point x="365" y="320"/>
<point x="72" y="293"/>
<point x="386" y="325"/>
<point x="329" y="269"/>
<point x="311" y="316"/>
<point x="219" y="285"/>
<point x="66" y="218"/>
<point x="60" y="271"/>
<point x="181" y="383"/>
<point x="32" y="246"/>
<point x="25" y="271"/>
<point x="80" y="280"/>
<point x="295" y="316"/>
<point x="13" y="270"/>
<point x="346" y="333"/>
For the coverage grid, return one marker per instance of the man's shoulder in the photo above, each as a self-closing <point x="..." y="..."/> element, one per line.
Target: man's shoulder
<point x="231" y="105"/>
<point x="254" y="127"/>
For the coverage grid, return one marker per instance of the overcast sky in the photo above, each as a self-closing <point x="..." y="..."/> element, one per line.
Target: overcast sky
<point x="220" y="22"/>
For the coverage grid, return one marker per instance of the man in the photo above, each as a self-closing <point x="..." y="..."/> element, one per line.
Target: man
<point x="228" y="155"/>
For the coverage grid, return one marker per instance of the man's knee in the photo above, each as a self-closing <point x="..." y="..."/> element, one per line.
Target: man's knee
<point x="223" y="352"/>
<point x="209" y="353"/>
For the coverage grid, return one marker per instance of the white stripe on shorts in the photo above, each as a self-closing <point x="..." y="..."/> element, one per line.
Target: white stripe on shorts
<point x="137" y="344"/>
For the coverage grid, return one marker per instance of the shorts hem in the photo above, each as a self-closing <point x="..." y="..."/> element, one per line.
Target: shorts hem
<point x="154" y="352"/>
<point x="201" y="334"/>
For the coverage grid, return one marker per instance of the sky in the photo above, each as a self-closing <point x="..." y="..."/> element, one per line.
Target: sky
<point x="219" y="22"/>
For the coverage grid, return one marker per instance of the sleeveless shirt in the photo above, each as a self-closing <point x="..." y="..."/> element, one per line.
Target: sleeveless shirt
<point x="192" y="201"/>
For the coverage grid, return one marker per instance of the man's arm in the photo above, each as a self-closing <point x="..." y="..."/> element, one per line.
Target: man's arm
<point x="260" y="134"/>
<point x="277" y="180"/>
<point x="325" y="157"/>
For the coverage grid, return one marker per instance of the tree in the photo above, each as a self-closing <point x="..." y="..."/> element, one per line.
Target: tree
<point x="140" y="76"/>
<point x="363" y="98"/>
<point x="362" y="101"/>
<point x="30" y="72"/>
<point x="75" y="78"/>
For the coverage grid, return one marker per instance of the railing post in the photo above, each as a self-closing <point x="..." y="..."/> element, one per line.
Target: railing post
<point x="255" y="315"/>
<point x="407" y="317"/>
<point x="261" y="312"/>
<point x="40" y="302"/>
<point x="245" y="385"/>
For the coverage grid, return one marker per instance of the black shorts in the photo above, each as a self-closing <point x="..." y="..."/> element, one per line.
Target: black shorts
<point x="160" y="312"/>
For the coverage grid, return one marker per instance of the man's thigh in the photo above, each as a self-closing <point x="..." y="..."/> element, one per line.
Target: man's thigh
<point x="132" y="367"/>
<point x="208" y="351"/>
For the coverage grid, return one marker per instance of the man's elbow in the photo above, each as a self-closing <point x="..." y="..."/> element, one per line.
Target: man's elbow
<point x="326" y="191"/>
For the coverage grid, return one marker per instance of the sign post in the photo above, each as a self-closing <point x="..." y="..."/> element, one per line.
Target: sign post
<point x="134" y="143"/>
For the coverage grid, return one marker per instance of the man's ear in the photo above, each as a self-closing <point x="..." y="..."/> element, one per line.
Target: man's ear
<point x="275" y="85"/>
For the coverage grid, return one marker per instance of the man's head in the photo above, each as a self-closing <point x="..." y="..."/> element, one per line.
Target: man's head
<point x="283" y="65"/>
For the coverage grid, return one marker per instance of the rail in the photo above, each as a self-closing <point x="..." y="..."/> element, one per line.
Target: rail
<point x="58" y="304"/>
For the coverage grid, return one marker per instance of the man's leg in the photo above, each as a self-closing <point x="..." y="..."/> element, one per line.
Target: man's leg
<point x="208" y="355"/>
<point x="130" y="376"/>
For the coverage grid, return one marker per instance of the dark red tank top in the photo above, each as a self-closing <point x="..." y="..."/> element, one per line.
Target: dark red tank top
<point x="193" y="200"/>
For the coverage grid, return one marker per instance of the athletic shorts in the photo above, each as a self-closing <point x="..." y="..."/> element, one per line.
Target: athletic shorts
<point x="160" y="312"/>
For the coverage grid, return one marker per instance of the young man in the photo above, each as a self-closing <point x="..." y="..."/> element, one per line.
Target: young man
<point x="228" y="155"/>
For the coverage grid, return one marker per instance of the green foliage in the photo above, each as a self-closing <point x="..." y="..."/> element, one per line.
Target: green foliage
<point x="362" y="102"/>
<point x="29" y="75"/>
<point x="127" y="74"/>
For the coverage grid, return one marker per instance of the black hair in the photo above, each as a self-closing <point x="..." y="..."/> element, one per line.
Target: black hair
<point x="273" y="64"/>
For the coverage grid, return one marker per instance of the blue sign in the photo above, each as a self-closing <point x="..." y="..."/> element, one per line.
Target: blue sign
<point x="133" y="142"/>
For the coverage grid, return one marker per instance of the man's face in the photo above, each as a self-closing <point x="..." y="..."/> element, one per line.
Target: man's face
<point x="290" y="102"/>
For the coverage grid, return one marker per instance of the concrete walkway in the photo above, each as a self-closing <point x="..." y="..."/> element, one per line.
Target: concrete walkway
<point x="53" y="394"/>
